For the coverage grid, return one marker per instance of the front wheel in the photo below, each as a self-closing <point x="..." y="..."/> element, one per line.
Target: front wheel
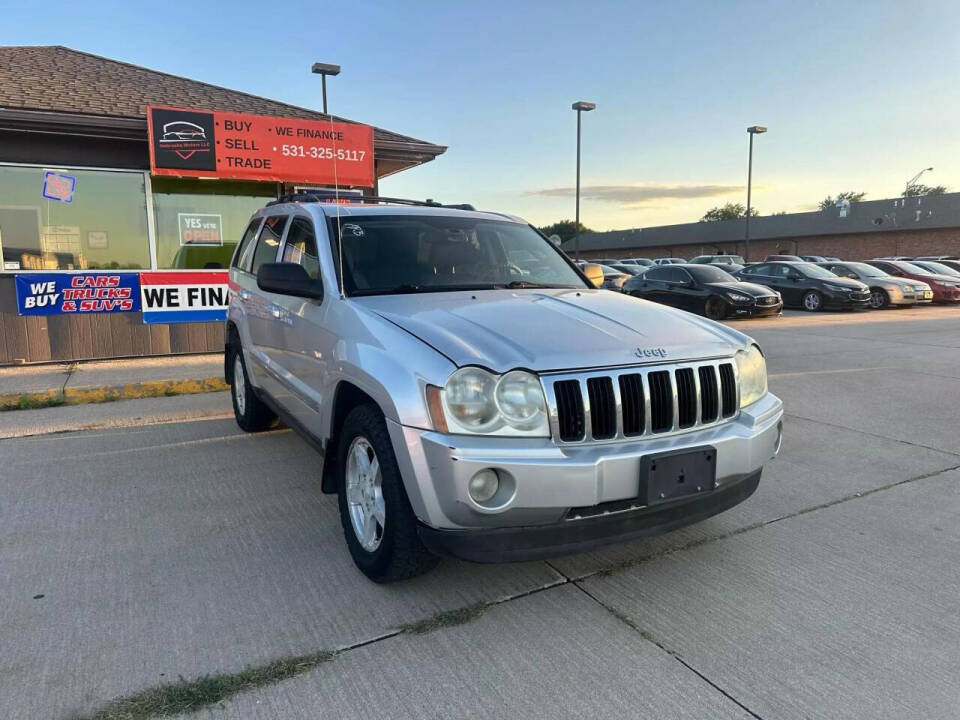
<point x="812" y="301"/>
<point x="378" y="522"/>
<point x="879" y="298"/>
<point x="715" y="308"/>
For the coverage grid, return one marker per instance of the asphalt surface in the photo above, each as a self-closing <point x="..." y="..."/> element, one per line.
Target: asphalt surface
<point x="187" y="548"/>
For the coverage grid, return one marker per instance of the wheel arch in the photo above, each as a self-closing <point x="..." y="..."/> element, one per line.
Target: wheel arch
<point x="346" y="397"/>
<point x="231" y="338"/>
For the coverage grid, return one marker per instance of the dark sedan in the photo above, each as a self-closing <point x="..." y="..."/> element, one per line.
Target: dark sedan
<point x="808" y="286"/>
<point x="704" y="289"/>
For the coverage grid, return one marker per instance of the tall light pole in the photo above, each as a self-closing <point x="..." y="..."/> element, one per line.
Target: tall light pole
<point x="581" y="106"/>
<point x="751" y="131"/>
<point x="324" y="69"/>
<point x="914" y="179"/>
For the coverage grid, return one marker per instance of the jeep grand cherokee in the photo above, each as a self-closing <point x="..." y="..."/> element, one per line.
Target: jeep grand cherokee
<point x="467" y="406"/>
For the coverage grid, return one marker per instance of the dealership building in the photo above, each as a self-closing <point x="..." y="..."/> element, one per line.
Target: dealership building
<point x="927" y="225"/>
<point x="110" y="169"/>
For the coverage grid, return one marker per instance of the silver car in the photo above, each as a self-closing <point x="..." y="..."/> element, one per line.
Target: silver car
<point x="885" y="290"/>
<point x="466" y="406"/>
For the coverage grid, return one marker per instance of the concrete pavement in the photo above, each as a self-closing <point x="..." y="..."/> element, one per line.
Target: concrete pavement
<point x="189" y="548"/>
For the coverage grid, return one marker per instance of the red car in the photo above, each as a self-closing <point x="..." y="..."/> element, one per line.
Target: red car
<point x="946" y="288"/>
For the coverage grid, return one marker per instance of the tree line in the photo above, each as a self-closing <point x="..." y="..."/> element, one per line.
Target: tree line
<point x="567" y="229"/>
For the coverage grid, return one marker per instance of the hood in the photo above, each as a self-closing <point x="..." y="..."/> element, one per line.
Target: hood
<point x="937" y="278"/>
<point x="751" y="289"/>
<point x="899" y="282"/>
<point x="844" y="282"/>
<point x="543" y="330"/>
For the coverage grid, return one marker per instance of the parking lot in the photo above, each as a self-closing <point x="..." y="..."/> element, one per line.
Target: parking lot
<point x="137" y="556"/>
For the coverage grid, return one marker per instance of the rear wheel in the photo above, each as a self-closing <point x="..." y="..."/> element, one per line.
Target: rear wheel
<point x="251" y="412"/>
<point x="879" y="299"/>
<point x="378" y="522"/>
<point x="812" y="301"/>
<point x="715" y="308"/>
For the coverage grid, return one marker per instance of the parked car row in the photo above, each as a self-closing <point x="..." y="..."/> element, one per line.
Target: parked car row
<point x="722" y="286"/>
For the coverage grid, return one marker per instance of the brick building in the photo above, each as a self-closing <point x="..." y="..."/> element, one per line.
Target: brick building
<point x="928" y="225"/>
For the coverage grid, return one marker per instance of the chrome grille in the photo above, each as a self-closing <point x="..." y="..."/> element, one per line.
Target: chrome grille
<point x="652" y="401"/>
<point x="767" y="300"/>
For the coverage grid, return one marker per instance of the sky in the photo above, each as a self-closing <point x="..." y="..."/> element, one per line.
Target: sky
<point x="856" y="95"/>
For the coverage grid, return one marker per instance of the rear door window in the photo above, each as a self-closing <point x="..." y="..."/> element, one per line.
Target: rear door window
<point x="269" y="241"/>
<point x="245" y="242"/>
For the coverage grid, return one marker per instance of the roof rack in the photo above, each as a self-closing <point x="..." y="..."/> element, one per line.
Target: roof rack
<point x="367" y="199"/>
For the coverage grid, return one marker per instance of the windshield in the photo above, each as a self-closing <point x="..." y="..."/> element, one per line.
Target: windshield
<point x="938" y="268"/>
<point x="387" y="254"/>
<point x="710" y="274"/>
<point x="814" y="271"/>
<point x="910" y="268"/>
<point x="864" y="270"/>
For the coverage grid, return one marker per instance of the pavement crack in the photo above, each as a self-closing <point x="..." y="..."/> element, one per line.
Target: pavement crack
<point x="871" y="434"/>
<point x="71" y="369"/>
<point x="646" y="635"/>
<point x="633" y="562"/>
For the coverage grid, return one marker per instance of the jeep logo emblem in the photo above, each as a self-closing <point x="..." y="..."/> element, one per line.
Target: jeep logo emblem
<point x="644" y="353"/>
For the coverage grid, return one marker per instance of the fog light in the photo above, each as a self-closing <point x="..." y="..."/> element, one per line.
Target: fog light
<point x="483" y="485"/>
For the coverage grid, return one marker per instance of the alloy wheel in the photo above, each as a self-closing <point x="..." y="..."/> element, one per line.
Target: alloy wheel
<point x="365" y="494"/>
<point x="239" y="385"/>
<point x="811" y="301"/>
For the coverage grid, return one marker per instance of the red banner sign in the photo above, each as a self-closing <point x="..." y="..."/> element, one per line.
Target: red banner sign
<point x="198" y="143"/>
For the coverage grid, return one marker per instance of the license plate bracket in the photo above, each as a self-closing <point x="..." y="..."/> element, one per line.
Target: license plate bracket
<point x="677" y="474"/>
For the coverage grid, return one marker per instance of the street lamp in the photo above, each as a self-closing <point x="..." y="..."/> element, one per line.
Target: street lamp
<point x="914" y="179"/>
<point x="752" y="130"/>
<point x="581" y="106"/>
<point x="324" y="69"/>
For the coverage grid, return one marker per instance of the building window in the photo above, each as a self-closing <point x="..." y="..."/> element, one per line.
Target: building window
<point x="200" y="222"/>
<point x="63" y="219"/>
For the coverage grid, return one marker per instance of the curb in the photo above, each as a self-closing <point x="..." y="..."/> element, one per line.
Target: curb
<point x="110" y="393"/>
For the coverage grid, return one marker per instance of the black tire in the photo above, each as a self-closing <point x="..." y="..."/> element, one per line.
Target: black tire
<point x="400" y="553"/>
<point x="879" y="299"/>
<point x="252" y="414"/>
<point x="812" y="301"/>
<point x="715" y="308"/>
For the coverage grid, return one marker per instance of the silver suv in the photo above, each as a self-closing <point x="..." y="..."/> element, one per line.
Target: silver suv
<point x="474" y="395"/>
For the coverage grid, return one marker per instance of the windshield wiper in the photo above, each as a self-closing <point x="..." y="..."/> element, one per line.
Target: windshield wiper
<point x="521" y="284"/>
<point x="407" y="289"/>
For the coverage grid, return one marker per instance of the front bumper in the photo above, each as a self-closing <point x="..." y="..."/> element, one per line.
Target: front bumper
<point x="950" y="295"/>
<point x="544" y="481"/>
<point x="845" y="301"/>
<point x="535" y="542"/>
<point x="755" y="310"/>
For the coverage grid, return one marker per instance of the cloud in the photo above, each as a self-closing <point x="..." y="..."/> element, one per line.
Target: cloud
<point x="639" y="195"/>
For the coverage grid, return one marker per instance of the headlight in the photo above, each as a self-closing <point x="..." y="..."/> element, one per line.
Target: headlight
<point x="753" y="375"/>
<point x="475" y="401"/>
<point x="836" y="288"/>
<point x="737" y="297"/>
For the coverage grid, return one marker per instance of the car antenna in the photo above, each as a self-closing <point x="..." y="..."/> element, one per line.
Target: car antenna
<point x="336" y="199"/>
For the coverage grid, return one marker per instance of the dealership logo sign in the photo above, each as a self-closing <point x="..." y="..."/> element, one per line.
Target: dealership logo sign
<point x="183" y="139"/>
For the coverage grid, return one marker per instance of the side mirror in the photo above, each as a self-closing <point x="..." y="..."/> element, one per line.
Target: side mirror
<point x="594" y="273"/>
<point x="852" y="276"/>
<point x="288" y="279"/>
